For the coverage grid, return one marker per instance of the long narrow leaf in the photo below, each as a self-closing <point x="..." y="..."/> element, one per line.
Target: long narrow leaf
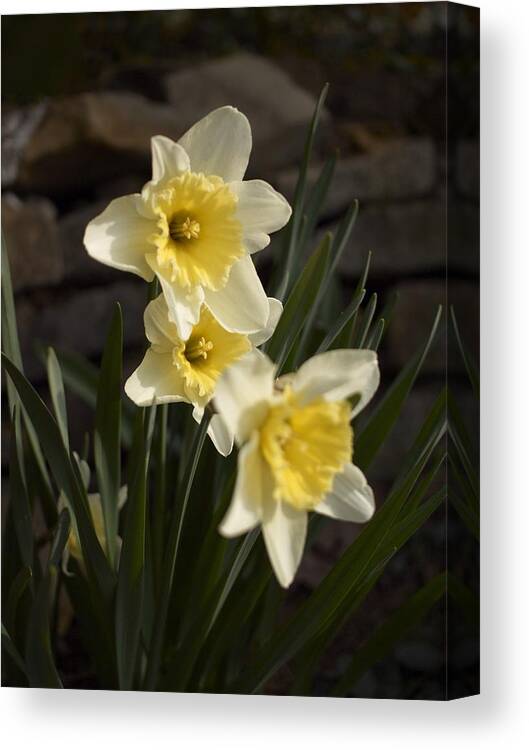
<point x="299" y="304"/>
<point x="129" y="594"/>
<point x="40" y="662"/>
<point x="64" y="473"/>
<point x="294" y="226"/>
<point x="58" y="397"/>
<point x="398" y="625"/>
<point x="107" y="438"/>
<point x="388" y="410"/>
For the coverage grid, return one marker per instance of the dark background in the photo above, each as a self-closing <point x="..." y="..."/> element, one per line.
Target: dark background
<point x="82" y="94"/>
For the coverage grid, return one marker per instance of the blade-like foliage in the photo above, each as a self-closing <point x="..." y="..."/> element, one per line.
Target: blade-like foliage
<point x="107" y="439"/>
<point x="401" y="622"/>
<point x="130" y="586"/>
<point x="40" y="663"/>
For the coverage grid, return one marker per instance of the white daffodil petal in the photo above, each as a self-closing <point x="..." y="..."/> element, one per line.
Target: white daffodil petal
<point x="276" y="310"/>
<point x="118" y="236"/>
<point x="243" y="393"/>
<point x="242" y="305"/>
<point x="219" y="144"/>
<point x="252" y="490"/>
<point x="183" y="304"/>
<point x="169" y="159"/>
<point x="351" y="498"/>
<point x="220" y="436"/>
<point x="158" y="328"/>
<point x="261" y="211"/>
<point x="284" y="532"/>
<point x="155" y="379"/>
<point x="339" y="374"/>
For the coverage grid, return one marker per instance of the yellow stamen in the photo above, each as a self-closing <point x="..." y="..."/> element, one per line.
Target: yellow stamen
<point x="198" y="237"/>
<point x="189" y="229"/>
<point x="208" y="351"/>
<point x="198" y="349"/>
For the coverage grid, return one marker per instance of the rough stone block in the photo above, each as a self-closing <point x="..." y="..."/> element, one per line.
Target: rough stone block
<point x="278" y="109"/>
<point x="81" y="141"/>
<point x="415" y="311"/>
<point x="32" y="241"/>
<point x="402" y="169"/>
<point x="79" y="321"/>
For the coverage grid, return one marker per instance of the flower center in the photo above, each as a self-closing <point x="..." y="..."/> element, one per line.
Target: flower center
<point x="179" y="230"/>
<point x="208" y="351"/>
<point x="198" y="349"/>
<point x="198" y="237"/>
<point x="305" y="446"/>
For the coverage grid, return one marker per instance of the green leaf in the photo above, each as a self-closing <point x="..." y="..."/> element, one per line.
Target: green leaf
<point x="18" y="495"/>
<point x="40" y="662"/>
<point x="130" y="586"/>
<point x="375" y="335"/>
<point x="367" y="318"/>
<point x="299" y="303"/>
<point x="315" y="202"/>
<point x="171" y="553"/>
<point x="11" y="346"/>
<point x="82" y="378"/>
<point x="158" y="516"/>
<point x="12" y="650"/>
<point x="345" y="338"/>
<point x="107" y="438"/>
<point x="396" y="627"/>
<point x="470" y="366"/>
<point x="294" y="226"/>
<point x="64" y="472"/>
<point x="58" y="397"/>
<point x="340" y="323"/>
<point x="387" y="412"/>
<point x="20" y="583"/>
<point x="336" y="251"/>
<point x="235" y="569"/>
<point x="9" y="322"/>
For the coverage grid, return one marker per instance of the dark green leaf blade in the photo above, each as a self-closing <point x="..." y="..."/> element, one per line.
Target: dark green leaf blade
<point x="58" y="397"/>
<point x="386" y="413"/>
<point x="40" y="662"/>
<point x="130" y="585"/>
<point x="299" y="303"/>
<point x="107" y="436"/>
<point x="383" y="640"/>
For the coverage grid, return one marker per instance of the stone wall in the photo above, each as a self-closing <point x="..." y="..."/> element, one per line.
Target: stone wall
<point x="64" y="159"/>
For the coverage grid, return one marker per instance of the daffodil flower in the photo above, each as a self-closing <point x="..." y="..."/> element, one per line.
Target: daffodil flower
<point x="295" y="447"/>
<point x="195" y="225"/>
<point x="177" y="369"/>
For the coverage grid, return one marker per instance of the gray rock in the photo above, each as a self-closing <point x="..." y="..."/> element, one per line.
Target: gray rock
<point x="78" y="265"/>
<point x="278" y="109"/>
<point x="83" y="140"/>
<point x="79" y="321"/>
<point x="18" y="126"/>
<point x="390" y="459"/>
<point x="402" y="237"/>
<point x="410" y="237"/>
<point x="32" y="242"/>
<point x="414" y="314"/>
<point x="403" y="169"/>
